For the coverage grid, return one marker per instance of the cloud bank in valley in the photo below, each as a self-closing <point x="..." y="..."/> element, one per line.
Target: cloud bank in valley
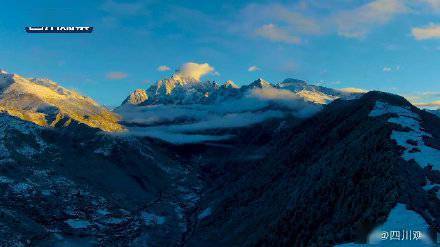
<point x="179" y="123"/>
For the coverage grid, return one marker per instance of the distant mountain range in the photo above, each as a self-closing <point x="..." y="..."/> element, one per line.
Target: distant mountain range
<point x="189" y="91"/>
<point x="189" y="163"/>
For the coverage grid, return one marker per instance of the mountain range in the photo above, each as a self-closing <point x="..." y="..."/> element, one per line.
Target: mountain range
<point x="189" y="91"/>
<point x="192" y="163"/>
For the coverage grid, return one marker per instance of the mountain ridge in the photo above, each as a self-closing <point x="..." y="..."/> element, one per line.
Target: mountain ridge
<point x="309" y="189"/>
<point x="45" y="103"/>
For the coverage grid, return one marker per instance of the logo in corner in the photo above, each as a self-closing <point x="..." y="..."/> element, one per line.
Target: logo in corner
<point x="61" y="29"/>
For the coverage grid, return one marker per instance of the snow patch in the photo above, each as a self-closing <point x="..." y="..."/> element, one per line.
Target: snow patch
<point x="27" y="151"/>
<point x="102" y="212"/>
<point x="77" y="223"/>
<point x="106" y="151"/>
<point x="382" y="108"/>
<point x="412" y="140"/>
<point x="205" y="213"/>
<point x="46" y="192"/>
<point x="429" y="186"/>
<point x="21" y="188"/>
<point x="152" y="219"/>
<point x="190" y="197"/>
<point x="5" y="180"/>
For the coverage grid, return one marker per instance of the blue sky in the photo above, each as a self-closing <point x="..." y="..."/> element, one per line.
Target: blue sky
<point x="389" y="45"/>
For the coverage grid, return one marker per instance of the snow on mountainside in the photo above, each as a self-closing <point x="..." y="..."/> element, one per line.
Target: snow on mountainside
<point x="352" y="169"/>
<point x="45" y="103"/>
<point x="412" y="140"/>
<point x="10" y="128"/>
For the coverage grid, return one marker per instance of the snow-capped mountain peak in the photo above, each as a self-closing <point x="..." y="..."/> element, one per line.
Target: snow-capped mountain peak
<point x="260" y="83"/>
<point x="230" y="84"/>
<point x="137" y="97"/>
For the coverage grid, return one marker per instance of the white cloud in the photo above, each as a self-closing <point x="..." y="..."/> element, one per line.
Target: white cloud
<point x="289" y="23"/>
<point x="434" y="4"/>
<point x="194" y="70"/>
<point x="387" y="69"/>
<point x="116" y="75"/>
<point x="353" y="90"/>
<point x="173" y="137"/>
<point x="290" y="16"/>
<point x="285" y="98"/>
<point x="433" y="104"/>
<point x="358" y="22"/>
<point x="425" y="99"/>
<point x="432" y="31"/>
<point x="230" y="120"/>
<point x="276" y="34"/>
<point x="163" y="68"/>
<point x="253" y="68"/>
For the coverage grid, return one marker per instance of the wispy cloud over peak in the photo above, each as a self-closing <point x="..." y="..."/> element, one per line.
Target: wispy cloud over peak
<point x="253" y="68"/>
<point x="194" y="71"/>
<point x="116" y="75"/>
<point x="425" y="99"/>
<point x="387" y="69"/>
<point x="358" y="22"/>
<point x="433" y="104"/>
<point x="353" y="90"/>
<point x="163" y="68"/>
